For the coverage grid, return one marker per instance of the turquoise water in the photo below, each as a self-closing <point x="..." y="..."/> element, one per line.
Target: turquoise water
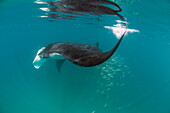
<point x="136" y="79"/>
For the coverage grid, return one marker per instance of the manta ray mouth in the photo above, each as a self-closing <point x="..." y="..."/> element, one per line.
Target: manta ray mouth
<point x="39" y="60"/>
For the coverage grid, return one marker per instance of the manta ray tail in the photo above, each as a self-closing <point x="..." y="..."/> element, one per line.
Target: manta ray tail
<point x="110" y="53"/>
<point x="118" y="43"/>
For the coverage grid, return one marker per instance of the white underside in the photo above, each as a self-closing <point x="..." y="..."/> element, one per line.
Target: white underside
<point x="39" y="61"/>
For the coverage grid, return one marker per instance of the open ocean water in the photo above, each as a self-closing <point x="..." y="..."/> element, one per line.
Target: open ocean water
<point x="136" y="79"/>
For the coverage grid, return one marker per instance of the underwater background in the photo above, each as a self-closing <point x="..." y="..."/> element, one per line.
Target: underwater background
<point x="136" y="79"/>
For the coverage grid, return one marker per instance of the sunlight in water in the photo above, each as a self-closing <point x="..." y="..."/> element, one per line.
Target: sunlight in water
<point x="110" y="75"/>
<point x="119" y="29"/>
<point x="40" y="2"/>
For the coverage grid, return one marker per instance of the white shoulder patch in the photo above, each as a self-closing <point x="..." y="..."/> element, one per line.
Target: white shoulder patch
<point x="56" y="56"/>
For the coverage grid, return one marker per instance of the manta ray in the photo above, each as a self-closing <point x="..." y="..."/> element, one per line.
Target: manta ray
<point x="80" y="54"/>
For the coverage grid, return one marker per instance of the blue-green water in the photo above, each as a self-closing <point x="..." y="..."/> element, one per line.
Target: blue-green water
<point x="135" y="80"/>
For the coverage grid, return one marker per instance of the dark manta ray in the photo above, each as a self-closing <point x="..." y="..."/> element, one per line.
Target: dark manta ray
<point x="79" y="54"/>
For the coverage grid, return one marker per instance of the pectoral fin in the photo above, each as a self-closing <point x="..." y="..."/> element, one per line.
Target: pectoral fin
<point x="59" y="64"/>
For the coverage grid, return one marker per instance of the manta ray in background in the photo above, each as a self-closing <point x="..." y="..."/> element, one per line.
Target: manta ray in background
<point x="79" y="54"/>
